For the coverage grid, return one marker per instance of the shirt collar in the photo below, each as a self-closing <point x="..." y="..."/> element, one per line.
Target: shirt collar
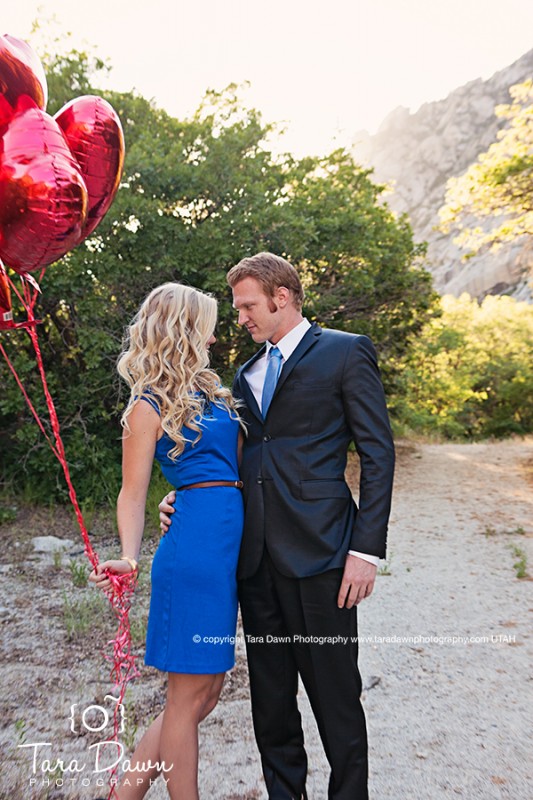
<point x="291" y="340"/>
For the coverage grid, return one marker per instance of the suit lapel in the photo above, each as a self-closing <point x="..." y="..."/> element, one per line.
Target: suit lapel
<point x="308" y="341"/>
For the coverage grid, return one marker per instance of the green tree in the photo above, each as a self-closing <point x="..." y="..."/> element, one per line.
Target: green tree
<point x="197" y="195"/>
<point x="361" y="268"/>
<point x="492" y="202"/>
<point x="470" y="372"/>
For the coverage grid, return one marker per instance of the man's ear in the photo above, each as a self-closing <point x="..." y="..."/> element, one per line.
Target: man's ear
<point x="283" y="296"/>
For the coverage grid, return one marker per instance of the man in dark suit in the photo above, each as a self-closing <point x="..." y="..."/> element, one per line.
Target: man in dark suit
<point x="308" y="555"/>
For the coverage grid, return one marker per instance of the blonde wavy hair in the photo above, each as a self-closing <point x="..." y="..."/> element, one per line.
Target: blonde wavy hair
<point x="166" y="356"/>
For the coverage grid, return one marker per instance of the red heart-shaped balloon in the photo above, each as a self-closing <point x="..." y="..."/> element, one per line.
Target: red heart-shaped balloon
<point x="43" y="197"/>
<point x="94" y="134"/>
<point x="21" y="72"/>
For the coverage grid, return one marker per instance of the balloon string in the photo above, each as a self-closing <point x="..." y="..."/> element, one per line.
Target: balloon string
<point x="123" y="668"/>
<point x="28" y="401"/>
<point x="123" y="661"/>
<point x="29" y="306"/>
<point x="59" y="448"/>
<point x="123" y="586"/>
<point x="26" y="281"/>
<point x="14" y="288"/>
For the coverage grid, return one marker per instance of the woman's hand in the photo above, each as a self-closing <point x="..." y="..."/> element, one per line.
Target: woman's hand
<point x="117" y="566"/>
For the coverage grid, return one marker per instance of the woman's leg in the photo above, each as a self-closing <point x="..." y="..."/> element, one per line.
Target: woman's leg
<point x="189" y="699"/>
<point x="172" y="738"/>
<point x="136" y="783"/>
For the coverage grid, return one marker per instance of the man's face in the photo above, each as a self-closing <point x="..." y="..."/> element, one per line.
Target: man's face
<point x="258" y="312"/>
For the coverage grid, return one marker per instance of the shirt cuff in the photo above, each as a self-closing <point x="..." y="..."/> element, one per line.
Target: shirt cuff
<point x="371" y="559"/>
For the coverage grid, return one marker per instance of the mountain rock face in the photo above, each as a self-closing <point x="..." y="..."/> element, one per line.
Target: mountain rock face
<point x="415" y="154"/>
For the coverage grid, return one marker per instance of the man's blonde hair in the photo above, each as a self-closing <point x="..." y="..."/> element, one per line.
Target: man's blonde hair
<point x="271" y="272"/>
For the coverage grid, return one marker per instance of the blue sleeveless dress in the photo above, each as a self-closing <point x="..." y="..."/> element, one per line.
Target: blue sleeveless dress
<point x="193" y="604"/>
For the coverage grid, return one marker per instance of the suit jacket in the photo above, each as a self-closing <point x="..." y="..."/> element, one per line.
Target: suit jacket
<point x="297" y="502"/>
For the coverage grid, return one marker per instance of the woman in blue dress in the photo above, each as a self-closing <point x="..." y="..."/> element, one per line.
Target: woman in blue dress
<point x="180" y="414"/>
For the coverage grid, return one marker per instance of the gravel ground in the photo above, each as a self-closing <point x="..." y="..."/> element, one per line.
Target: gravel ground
<point x="445" y="650"/>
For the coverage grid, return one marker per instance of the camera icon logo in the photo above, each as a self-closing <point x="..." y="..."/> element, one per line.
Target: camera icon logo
<point x="96" y="718"/>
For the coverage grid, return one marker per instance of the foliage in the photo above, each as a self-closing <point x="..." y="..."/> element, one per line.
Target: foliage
<point x="470" y="372"/>
<point x="197" y="195"/>
<point x="84" y="615"/>
<point x="498" y="188"/>
<point x="520" y="566"/>
<point x="359" y="263"/>
<point x="79" y="573"/>
<point x="7" y="514"/>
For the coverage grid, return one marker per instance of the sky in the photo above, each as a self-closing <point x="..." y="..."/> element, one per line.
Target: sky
<point x="323" y="70"/>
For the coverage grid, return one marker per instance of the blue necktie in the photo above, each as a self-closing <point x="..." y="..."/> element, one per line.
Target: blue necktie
<point x="271" y="378"/>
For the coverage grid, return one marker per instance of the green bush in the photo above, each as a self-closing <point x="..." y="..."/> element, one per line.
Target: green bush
<point x="470" y="372"/>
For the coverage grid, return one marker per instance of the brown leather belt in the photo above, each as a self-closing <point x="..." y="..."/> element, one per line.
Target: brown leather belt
<point x="208" y="484"/>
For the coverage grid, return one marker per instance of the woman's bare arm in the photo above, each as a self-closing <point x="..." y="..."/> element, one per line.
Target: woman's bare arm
<point x="138" y="447"/>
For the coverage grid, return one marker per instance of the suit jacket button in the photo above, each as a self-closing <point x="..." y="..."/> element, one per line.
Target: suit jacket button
<point x="267" y="438"/>
<point x="260" y="480"/>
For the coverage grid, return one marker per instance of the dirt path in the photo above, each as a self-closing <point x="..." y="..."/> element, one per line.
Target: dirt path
<point x="446" y="648"/>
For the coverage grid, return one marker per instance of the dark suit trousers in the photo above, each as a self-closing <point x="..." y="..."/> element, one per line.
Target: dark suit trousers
<point x="276" y="610"/>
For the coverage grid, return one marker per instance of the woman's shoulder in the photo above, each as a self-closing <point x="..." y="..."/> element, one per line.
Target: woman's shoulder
<point x="143" y="419"/>
<point x="149" y="397"/>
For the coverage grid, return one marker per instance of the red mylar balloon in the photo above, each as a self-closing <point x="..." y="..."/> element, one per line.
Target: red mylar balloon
<point x="43" y="197"/>
<point x="21" y="72"/>
<point x="94" y="134"/>
<point x="6" y="314"/>
<point x="6" y="111"/>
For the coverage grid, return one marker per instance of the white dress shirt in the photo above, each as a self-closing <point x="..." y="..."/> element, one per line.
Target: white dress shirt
<point x="255" y="375"/>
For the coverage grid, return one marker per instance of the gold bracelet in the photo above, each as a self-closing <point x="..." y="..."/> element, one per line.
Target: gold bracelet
<point x="131" y="561"/>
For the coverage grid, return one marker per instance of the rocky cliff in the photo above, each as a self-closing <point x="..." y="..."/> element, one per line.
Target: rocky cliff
<point x="416" y="154"/>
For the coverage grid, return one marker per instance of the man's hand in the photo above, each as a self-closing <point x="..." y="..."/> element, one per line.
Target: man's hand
<point x="166" y="507"/>
<point x="357" y="581"/>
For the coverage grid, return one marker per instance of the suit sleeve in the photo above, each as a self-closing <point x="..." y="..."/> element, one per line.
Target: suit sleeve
<point x="368" y="420"/>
